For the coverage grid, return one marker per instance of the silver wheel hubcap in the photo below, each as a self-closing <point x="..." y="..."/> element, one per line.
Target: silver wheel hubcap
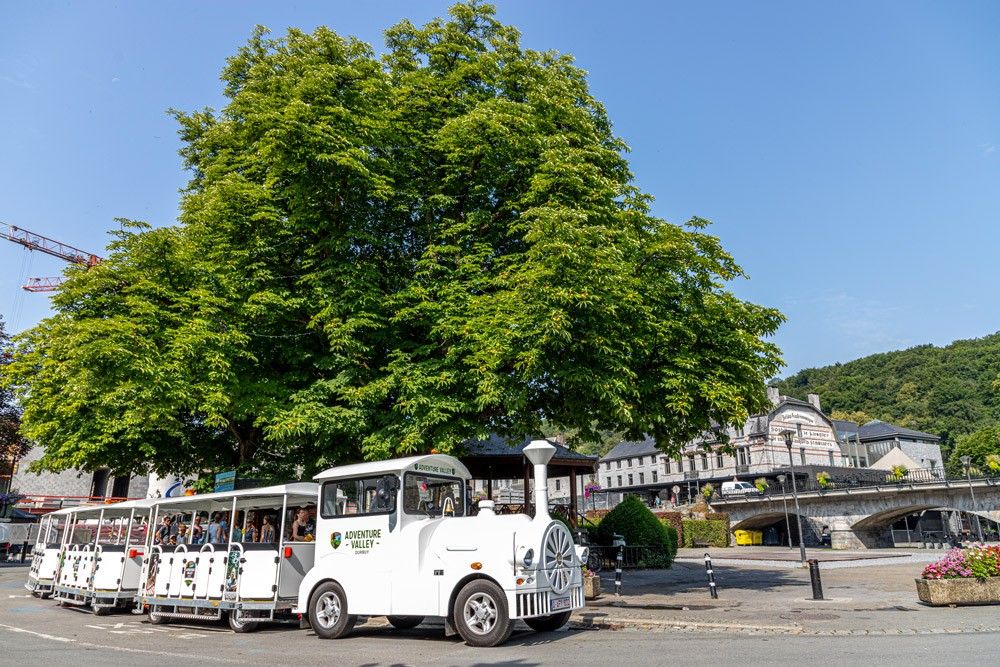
<point x="328" y="609"/>
<point x="558" y="558"/>
<point x="480" y="613"/>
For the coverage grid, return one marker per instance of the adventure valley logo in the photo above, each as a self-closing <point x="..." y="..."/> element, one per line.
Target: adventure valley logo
<point x="360" y="541"/>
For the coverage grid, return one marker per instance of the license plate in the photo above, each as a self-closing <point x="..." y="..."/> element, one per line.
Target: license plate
<point x="555" y="604"/>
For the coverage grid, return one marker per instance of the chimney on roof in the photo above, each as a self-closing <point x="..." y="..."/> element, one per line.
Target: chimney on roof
<point x="814" y="401"/>
<point x="773" y="395"/>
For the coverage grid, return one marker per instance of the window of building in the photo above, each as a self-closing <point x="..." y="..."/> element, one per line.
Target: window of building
<point x="666" y="466"/>
<point x="691" y="465"/>
<point x="607" y="465"/>
<point x="831" y="457"/>
<point x="802" y="455"/>
<point x="642" y="478"/>
<point x="619" y="480"/>
<point x="640" y="459"/>
<point x="704" y="461"/>
<point x="557" y="484"/>
<point x="718" y="460"/>
<point x="742" y="457"/>
<point x="630" y="462"/>
<point x="654" y="473"/>
<point x="609" y="482"/>
<point x="933" y="464"/>
<point x="619" y="462"/>
<point x="630" y="482"/>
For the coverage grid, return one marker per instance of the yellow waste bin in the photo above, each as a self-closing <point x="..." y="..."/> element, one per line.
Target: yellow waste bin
<point x="758" y="537"/>
<point x="744" y="538"/>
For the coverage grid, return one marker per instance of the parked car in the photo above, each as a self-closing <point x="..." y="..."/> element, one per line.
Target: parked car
<point x="739" y="489"/>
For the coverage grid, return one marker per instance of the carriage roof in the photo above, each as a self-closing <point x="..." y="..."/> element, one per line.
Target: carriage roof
<point x="432" y="464"/>
<point x="222" y="500"/>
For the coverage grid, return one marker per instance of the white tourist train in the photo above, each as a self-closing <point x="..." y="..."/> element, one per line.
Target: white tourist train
<point x="91" y="555"/>
<point x="236" y="554"/>
<point x="393" y="538"/>
<point x="405" y="545"/>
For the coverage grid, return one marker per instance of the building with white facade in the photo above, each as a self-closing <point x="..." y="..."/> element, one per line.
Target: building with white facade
<point x="759" y="449"/>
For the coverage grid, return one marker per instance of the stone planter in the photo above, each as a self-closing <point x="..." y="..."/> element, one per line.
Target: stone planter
<point x="944" y="592"/>
<point x="591" y="587"/>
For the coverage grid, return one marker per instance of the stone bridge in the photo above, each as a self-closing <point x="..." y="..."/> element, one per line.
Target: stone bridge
<point x="862" y="517"/>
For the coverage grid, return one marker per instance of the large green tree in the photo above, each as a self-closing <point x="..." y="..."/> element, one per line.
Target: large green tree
<point x="12" y="444"/>
<point x="379" y="256"/>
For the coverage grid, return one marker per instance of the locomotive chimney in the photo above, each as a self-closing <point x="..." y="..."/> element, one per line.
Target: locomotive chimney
<point x="540" y="452"/>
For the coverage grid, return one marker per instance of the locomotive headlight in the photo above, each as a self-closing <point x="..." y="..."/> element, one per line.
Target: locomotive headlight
<point x="583" y="553"/>
<point x="527" y="558"/>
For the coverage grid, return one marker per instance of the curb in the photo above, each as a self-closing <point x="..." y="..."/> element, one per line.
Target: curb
<point x="650" y="624"/>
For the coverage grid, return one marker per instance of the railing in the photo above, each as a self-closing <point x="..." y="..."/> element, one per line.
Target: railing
<point x="742" y="470"/>
<point x="633" y="557"/>
<point x="690" y="474"/>
<point x="866" y="479"/>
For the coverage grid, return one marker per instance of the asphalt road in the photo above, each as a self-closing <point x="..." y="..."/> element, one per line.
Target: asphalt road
<point x="35" y="632"/>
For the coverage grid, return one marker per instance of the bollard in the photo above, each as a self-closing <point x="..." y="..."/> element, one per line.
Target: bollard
<point x="619" y="541"/>
<point x="814" y="579"/>
<point x="24" y="550"/>
<point x="711" y="577"/>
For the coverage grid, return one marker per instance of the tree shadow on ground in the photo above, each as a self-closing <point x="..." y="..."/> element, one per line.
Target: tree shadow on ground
<point x="686" y="578"/>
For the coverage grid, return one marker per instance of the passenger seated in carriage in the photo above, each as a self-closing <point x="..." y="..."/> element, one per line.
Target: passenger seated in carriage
<point x="303" y="528"/>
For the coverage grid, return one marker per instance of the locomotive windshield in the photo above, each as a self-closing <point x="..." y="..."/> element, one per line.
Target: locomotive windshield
<point x="431" y="495"/>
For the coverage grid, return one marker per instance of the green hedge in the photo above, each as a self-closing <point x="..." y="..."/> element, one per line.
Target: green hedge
<point x="633" y="520"/>
<point x="716" y="533"/>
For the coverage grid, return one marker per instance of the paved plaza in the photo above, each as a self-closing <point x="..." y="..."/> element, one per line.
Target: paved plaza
<point x="872" y="616"/>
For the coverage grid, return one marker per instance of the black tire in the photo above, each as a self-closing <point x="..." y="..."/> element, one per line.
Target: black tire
<point x="549" y="623"/>
<point x="405" y="622"/>
<point x="157" y="619"/>
<point x="328" y="611"/>
<point x="237" y="624"/>
<point x="100" y="610"/>
<point x="46" y="595"/>
<point x="480" y="614"/>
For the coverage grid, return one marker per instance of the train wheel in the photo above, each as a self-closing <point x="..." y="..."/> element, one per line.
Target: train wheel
<point x="328" y="611"/>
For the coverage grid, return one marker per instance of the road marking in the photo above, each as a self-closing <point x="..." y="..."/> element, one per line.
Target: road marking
<point x="20" y="596"/>
<point x="122" y="649"/>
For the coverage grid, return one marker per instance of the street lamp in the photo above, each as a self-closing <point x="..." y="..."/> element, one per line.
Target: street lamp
<point x="787" y="434"/>
<point x="966" y="463"/>
<point x="784" y="502"/>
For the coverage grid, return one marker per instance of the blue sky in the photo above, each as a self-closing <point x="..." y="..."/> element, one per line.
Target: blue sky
<point x="848" y="153"/>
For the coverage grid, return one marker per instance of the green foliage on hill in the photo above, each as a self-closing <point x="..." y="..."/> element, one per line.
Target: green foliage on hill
<point x="949" y="391"/>
<point x="632" y="519"/>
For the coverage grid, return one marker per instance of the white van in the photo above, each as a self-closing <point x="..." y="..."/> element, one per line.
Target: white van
<point x="398" y="539"/>
<point x="739" y="489"/>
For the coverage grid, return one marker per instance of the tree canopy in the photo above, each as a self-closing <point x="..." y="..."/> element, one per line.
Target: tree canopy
<point x="12" y="444"/>
<point x="384" y="255"/>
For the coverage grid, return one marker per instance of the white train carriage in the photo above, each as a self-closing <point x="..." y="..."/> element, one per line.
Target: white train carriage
<point x="239" y="554"/>
<point x="395" y="538"/>
<point x="45" y="553"/>
<point x="100" y="558"/>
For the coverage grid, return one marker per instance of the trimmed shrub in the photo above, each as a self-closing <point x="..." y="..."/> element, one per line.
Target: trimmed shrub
<point x="674" y="520"/>
<point x="633" y="520"/>
<point x="716" y="533"/>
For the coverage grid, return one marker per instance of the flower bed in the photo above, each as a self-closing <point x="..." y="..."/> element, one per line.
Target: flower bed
<point x="962" y="577"/>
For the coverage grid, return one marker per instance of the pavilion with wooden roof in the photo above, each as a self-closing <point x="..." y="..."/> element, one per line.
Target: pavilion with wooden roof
<point x="501" y="459"/>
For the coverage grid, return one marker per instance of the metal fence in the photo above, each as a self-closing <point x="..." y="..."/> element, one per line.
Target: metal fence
<point x="635" y="557"/>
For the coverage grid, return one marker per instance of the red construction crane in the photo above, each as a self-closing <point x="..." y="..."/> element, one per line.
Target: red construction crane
<point x="65" y="252"/>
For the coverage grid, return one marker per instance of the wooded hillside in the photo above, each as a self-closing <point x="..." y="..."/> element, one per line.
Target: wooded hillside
<point x="949" y="390"/>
